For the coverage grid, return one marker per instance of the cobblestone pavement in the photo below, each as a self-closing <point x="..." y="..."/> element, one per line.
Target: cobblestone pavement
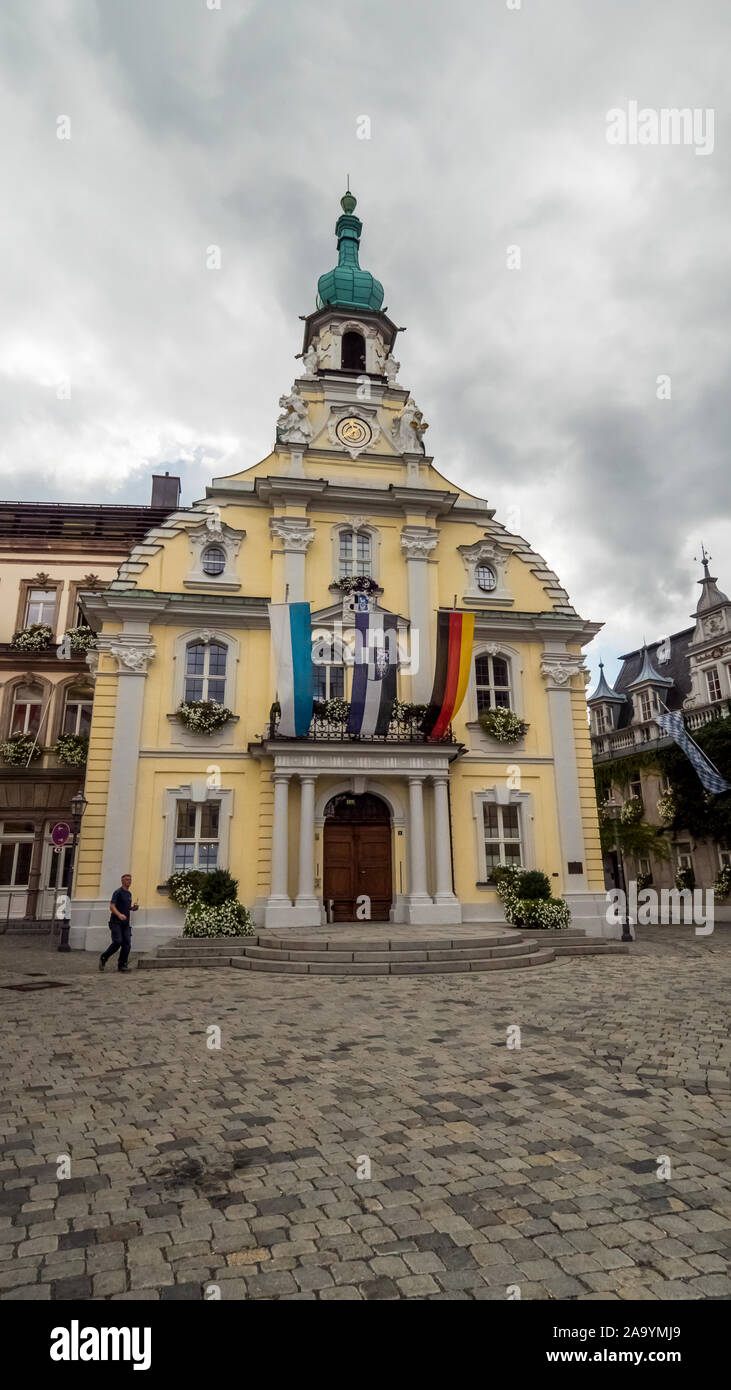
<point x="490" y="1166"/>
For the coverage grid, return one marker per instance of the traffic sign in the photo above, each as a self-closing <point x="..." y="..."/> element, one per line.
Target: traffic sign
<point x="60" y="833"/>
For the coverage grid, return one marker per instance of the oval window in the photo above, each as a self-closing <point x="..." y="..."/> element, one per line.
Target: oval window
<point x="485" y="578"/>
<point x="214" y="560"/>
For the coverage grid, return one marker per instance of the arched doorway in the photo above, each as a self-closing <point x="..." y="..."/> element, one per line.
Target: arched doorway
<point x="357" y="857"/>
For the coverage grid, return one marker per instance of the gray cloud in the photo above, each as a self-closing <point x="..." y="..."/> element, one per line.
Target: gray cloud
<point x="193" y="127"/>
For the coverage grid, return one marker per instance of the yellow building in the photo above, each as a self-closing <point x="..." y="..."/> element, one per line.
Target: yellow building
<point x="313" y="827"/>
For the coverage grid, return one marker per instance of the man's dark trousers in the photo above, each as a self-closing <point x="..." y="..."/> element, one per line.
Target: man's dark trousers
<point x="121" y="936"/>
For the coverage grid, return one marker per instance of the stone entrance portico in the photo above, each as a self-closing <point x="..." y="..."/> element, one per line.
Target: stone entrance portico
<point x="403" y="776"/>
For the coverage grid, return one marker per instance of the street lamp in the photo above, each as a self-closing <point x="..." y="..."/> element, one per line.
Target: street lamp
<point x="79" y="804"/>
<point x="613" y="810"/>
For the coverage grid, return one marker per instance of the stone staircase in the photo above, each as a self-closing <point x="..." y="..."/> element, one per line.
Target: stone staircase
<point x="340" y="954"/>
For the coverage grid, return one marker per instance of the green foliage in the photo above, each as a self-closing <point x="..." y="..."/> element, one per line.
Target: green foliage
<point x="696" y="810"/>
<point x="19" y="749"/>
<point x="638" y="838"/>
<point x="187" y="886"/>
<point x="218" y="887"/>
<point x="534" y="884"/>
<point x="502" y="725"/>
<point x="72" y="749"/>
<point x="551" y="914"/>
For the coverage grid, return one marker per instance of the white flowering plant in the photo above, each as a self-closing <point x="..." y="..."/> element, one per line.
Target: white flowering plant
<point x="20" y="749"/>
<point x="222" y="919"/>
<point x="203" y="716"/>
<point x="406" y="713"/>
<point x="72" y="749"/>
<point x="722" y="886"/>
<point x="502" y="724"/>
<point x="35" y="638"/>
<point x="81" y="639"/>
<point x="548" y="914"/>
<point x="335" y="711"/>
<point x="632" y="811"/>
<point x="666" y="808"/>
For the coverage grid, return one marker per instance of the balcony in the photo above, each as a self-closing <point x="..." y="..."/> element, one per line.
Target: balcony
<point x="336" y="731"/>
<point x="696" y="718"/>
<point x="618" y="741"/>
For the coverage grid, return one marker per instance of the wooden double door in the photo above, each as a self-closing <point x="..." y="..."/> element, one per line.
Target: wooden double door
<point x="357" y="863"/>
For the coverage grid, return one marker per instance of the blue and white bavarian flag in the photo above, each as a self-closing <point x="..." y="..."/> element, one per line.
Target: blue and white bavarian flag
<point x="291" y="629"/>
<point x="374" y="673"/>
<point x="672" y="724"/>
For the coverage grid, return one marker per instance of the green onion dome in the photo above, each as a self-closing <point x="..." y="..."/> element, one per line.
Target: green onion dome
<point x="347" y="286"/>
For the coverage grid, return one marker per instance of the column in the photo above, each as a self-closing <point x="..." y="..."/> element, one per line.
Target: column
<point x="557" y="668"/>
<point x="417" y="843"/>
<point x="132" y="650"/>
<point x="296" y="536"/>
<point x="279" y="894"/>
<point x="306" y="886"/>
<point x="444" y="894"/>
<point x="417" y="543"/>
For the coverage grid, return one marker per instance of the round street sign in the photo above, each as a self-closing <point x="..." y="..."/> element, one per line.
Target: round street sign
<point x="60" y="833"/>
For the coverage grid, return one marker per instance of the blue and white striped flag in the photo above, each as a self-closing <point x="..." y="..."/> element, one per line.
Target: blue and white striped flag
<point x="291" y="629"/>
<point x="672" y="724"/>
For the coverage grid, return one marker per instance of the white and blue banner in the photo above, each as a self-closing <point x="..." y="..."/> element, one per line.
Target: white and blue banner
<point x="374" y="673"/>
<point x="291" y="628"/>
<point x="672" y="724"/>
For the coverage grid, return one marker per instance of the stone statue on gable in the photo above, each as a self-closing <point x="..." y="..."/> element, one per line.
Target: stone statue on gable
<point x="293" y="426"/>
<point x="408" y="429"/>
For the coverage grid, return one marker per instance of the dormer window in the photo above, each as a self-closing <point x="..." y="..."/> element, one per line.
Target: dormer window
<point x="213" y="560"/>
<point x="353" y="352"/>
<point x="648" y="704"/>
<point x="713" y="683"/>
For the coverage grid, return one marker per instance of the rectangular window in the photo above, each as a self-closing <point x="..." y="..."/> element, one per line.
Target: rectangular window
<point x="600" y="720"/>
<point x="26" y="716"/>
<point x="646" y="705"/>
<point x="684" y="856"/>
<point x="15" y="857"/>
<point x="713" y="683"/>
<point x="724" y="854"/>
<point x="40" y="606"/>
<point x="502" y="836"/>
<point x="205" y="672"/>
<point x="329" y="682"/>
<point x="196" y="835"/>
<point x="492" y="682"/>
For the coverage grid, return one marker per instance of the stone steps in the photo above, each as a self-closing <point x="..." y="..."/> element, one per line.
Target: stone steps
<point x="340" y="955"/>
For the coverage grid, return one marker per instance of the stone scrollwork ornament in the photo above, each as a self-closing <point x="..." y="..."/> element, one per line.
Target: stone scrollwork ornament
<point x="560" y="669"/>
<point x="132" y="658"/>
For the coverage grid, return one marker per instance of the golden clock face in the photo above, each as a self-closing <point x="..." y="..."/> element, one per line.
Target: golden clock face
<point x="353" y="433"/>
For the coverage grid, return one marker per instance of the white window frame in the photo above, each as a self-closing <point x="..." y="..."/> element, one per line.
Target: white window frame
<point x="205" y="636"/>
<point x="197" y="840"/>
<point x="79" y="702"/>
<point x="196" y="790"/>
<point x="358" y="526"/>
<point x="28" y="704"/>
<point x="600" y="720"/>
<point x="51" y="603"/>
<point x="205" y="677"/>
<point x="328" y="667"/>
<point x="502" y="796"/>
<point x="491" y="686"/>
<point x="228" y="539"/>
<point x="712" y="676"/>
<point x="646" y="713"/>
<point x="684" y="858"/>
<point x="16" y="839"/>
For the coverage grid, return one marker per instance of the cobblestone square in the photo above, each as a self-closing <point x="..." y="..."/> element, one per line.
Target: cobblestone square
<point x="541" y="1169"/>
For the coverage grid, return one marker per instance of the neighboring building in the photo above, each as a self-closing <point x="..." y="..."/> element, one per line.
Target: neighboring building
<point x="690" y="671"/>
<point x="347" y="490"/>
<point x="49" y="552"/>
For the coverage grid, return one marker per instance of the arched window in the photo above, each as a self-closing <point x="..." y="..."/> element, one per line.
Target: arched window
<point x="27" y="707"/>
<point x="355" y="556"/>
<point x="77" y="710"/>
<point x="492" y="680"/>
<point x="205" y="671"/>
<point x="353" y="354"/>
<point x="213" y="560"/>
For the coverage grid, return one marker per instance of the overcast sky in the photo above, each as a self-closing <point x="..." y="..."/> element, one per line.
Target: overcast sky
<point x="121" y="353"/>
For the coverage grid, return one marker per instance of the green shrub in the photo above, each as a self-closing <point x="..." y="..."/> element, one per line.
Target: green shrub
<point x="534" y="884"/>
<point x="551" y="914"/>
<point x="218" y="887"/>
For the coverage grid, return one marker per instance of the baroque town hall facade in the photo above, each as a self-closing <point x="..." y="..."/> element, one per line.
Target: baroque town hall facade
<point x="309" y="824"/>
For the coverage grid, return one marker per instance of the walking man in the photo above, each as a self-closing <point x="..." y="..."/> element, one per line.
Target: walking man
<point x="120" y="925"/>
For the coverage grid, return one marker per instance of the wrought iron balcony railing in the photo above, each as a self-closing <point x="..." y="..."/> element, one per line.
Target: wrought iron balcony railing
<point x="329" y="730"/>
